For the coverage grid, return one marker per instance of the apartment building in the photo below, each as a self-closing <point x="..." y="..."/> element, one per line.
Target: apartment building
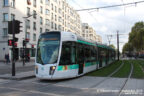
<point x="90" y="34"/>
<point x="37" y="16"/>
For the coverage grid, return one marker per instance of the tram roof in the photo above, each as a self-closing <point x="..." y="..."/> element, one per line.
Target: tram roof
<point x="89" y="42"/>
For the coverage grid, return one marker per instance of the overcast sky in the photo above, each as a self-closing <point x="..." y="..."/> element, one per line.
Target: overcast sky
<point x="108" y="21"/>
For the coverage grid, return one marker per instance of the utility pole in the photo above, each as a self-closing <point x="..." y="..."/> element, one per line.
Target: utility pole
<point x="109" y="38"/>
<point x="118" y="45"/>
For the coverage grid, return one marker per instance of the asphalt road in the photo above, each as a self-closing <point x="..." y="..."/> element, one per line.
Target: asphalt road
<point x="73" y="87"/>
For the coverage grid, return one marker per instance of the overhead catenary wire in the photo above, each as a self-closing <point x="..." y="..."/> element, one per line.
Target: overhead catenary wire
<point x="82" y="8"/>
<point x="110" y="6"/>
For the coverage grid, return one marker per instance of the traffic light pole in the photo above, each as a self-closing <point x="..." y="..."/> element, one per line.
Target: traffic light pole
<point x="23" y="57"/>
<point x="13" y="48"/>
<point x="23" y="54"/>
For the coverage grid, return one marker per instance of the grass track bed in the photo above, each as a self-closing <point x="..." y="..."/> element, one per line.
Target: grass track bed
<point x="137" y="72"/>
<point x="106" y="70"/>
<point x="124" y="71"/>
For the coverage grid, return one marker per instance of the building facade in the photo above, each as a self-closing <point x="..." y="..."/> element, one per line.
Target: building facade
<point x="37" y="16"/>
<point x="89" y="33"/>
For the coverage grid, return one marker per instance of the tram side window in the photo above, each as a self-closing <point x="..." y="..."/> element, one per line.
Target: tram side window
<point x="87" y="54"/>
<point x="80" y="53"/>
<point x="68" y="53"/>
<point x="107" y="53"/>
<point x="100" y="53"/>
<point x="93" y="53"/>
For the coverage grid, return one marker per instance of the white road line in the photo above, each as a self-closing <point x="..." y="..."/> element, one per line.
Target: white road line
<point x="52" y="94"/>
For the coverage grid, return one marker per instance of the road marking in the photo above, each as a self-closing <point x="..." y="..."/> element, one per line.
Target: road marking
<point x="52" y="94"/>
<point x="121" y="90"/>
<point x="108" y="77"/>
<point x="141" y="68"/>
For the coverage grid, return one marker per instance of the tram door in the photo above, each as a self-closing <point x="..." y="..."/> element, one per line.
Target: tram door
<point x="100" y="57"/>
<point x="80" y="68"/>
<point x="80" y="58"/>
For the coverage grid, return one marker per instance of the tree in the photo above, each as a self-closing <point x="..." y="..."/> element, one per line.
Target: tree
<point x="136" y="36"/>
<point x="111" y="45"/>
<point x="127" y="48"/>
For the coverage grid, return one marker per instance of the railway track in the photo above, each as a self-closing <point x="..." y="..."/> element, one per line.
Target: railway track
<point x="108" y="77"/>
<point x="129" y="76"/>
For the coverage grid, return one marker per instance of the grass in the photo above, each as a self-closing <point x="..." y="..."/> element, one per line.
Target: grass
<point x="137" y="72"/>
<point x="124" y="71"/>
<point x="142" y="63"/>
<point x="106" y="70"/>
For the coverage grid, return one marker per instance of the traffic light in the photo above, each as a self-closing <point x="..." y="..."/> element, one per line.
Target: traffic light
<point x="10" y="42"/>
<point x="25" y="41"/>
<point x="16" y="27"/>
<point x="13" y="41"/>
<point x="10" y="27"/>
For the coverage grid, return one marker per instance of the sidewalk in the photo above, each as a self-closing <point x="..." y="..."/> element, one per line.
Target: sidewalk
<point x="22" y="72"/>
<point x="18" y="76"/>
<point x="17" y="64"/>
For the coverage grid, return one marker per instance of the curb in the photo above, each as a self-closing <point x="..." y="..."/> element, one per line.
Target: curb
<point x="20" y="76"/>
<point x="17" y="78"/>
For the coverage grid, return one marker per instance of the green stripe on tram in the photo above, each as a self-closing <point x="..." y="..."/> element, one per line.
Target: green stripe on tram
<point x="84" y="42"/>
<point x="76" y="66"/>
<point x="69" y="67"/>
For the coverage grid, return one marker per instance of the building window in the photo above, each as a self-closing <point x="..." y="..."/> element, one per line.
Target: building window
<point x="12" y="16"/>
<point x="5" y="31"/>
<point x="41" y="1"/>
<point x="52" y="16"/>
<point x="34" y="25"/>
<point x="34" y="14"/>
<point x="55" y="17"/>
<point x="28" y="11"/>
<point x="27" y="35"/>
<point x="47" y="12"/>
<point x="5" y="16"/>
<point x="13" y="3"/>
<point x="28" y="24"/>
<point x="52" y="25"/>
<point x="46" y="30"/>
<point x="47" y="22"/>
<point x="41" y="9"/>
<point x="34" y="3"/>
<point x="60" y="19"/>
<point x="5" y="2"/>
<point x="55" y="9"/>
<point x="34" y="37"/>
<point x="52" y="6"/>
<point x="47" y="2"/>
<point x="41" y="20"/>
<point x="28" y="2"/>
<point x="55" y="26"/>
<point x="40" y="30"/>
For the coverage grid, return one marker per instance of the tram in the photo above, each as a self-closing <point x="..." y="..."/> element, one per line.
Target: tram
<point x="61" y="55"/>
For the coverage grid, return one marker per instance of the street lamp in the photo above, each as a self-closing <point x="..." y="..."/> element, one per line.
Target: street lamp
<point x="25" y="30"/>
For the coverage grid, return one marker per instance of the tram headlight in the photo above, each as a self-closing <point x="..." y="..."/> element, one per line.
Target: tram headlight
<point x="52" y="69"/>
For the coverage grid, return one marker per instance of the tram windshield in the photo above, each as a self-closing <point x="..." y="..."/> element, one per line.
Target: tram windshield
<point x="48" y="48"/>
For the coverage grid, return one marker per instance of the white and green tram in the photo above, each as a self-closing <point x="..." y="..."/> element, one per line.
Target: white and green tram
<point x="62" y="55"/>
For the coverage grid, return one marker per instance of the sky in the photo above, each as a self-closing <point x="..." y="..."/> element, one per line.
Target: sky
<point x="110" y="20"/>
